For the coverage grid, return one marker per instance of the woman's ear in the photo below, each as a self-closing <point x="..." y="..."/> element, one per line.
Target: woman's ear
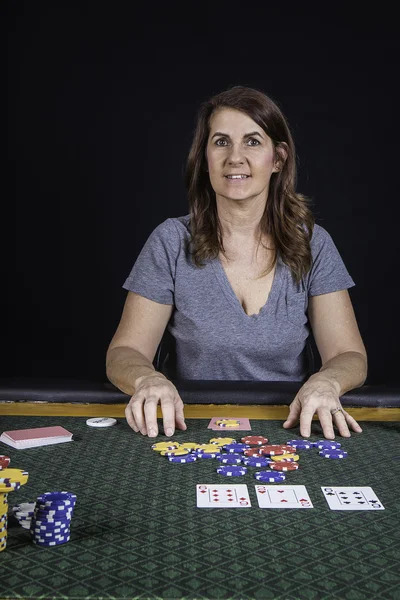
<point x="281" y="152"/>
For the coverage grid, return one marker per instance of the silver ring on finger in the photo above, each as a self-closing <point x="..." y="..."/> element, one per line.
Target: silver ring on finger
<point x="336" y="410"/>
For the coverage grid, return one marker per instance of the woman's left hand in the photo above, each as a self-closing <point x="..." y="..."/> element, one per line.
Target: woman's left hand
<point x="320" y="395"/>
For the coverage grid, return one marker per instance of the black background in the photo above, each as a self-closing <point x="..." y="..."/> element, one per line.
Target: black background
<point x="102" y="105"/>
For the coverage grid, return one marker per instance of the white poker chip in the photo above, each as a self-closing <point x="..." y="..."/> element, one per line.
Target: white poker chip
<point x="101" y="422"/>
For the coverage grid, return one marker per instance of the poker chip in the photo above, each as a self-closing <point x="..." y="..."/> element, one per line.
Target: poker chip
<point x="57" y="542"/>
<point x="189" y="458"/>
<point x="203" y="455"/>
<point x="206" y="448"/>
<point x="256" y="461"/>
<point x="232" y="471"/>
<point x="9" y="487"/>
<point x="189" y="445"/>
<point x="165" y="446"/>
<point x="285" y="458"/>
<point x="4" y="461"/>
<point x="234" y="448"/>
<point x="284" y="466"/>
<point x="175" y="452"/>
<point x="222" y="441"/>
<point x="56" y="501"/>
<point x="25" y="508"/>
<point x="230" y="459"/>
<point x="300" y="444"/>
<point x="254" y="440"/>
<point x="328" y="444"/>
<point x="333" y="453"/>
<point x="276" y="449"/>
<point x="13" y="476"/>
<point x="101" y="422"/>
<point x="252" y="452"/>
<point x="227" y="423"/>
<point x="269" y="476"/>
<point x="51" y="519"/>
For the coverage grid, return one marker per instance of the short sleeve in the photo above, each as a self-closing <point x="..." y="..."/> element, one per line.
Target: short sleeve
<point x="328" y="272"/>
<point x="153" y="274"/>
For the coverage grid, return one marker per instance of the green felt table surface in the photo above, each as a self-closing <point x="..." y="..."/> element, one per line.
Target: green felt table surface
<point x="137" y="533"/>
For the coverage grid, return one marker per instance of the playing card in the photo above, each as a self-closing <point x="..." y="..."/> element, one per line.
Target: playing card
<point x="222" y="496"/>
<point x="243" y="424"/>
<point x="352" y="498"/>
<point x="283" y="496"/>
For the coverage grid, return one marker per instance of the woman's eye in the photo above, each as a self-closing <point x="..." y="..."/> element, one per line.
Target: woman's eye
<point x="256" y="142"/>
<point x="220" y="142"/>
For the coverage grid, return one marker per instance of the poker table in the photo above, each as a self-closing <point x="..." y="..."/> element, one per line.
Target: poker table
<point x="137" y="532"/>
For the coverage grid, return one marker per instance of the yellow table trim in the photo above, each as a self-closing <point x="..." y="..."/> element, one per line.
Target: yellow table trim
<point x="192" y="411"/>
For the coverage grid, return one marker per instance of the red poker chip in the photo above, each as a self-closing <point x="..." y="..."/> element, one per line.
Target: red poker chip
<point x="252" y="451"/>
<point x="4" y="461"/>
<point x="254" y="440"/>
<point x="277" y="449"/>
<point x="284" y="466"/>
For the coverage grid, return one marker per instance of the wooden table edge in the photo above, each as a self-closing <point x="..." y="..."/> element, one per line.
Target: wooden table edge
<point x="192" y="411"/>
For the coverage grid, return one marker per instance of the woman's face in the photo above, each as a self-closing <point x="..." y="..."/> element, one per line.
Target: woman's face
<point x="240" y="156"/>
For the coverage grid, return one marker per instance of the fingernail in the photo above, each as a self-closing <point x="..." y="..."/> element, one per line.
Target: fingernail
<point x="143" y="431"/>
<point x="152" y="433"/>
<point x="169" y="431"/>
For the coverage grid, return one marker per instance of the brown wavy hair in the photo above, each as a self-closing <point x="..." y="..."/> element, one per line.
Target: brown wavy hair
<point x="287" y="218"/>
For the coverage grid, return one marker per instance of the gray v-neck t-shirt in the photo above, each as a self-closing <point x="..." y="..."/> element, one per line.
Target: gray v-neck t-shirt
<point x="213" y="336"/>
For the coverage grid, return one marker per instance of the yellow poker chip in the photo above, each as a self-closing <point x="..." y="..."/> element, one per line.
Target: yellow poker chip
<point x="165" y="446"/>
<point x="190" y="445"/>
<point x="207" y="448"/>
<point x="175" y="452"/>
<point x="219" y="441"/>
<point x="288" y="457"/>
<point x="13" y="476"/>
<point x="227" y="423"/>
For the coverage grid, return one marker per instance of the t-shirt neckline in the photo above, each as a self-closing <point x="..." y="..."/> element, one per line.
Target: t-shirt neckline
<point x="234" y="300"/>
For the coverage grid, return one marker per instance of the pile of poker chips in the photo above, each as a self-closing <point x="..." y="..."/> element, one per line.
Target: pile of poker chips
<point x="327" y="448"/>
<point x="51" y="519"/>
<point x="10" y="481"/>
<point x="251" y="451"/>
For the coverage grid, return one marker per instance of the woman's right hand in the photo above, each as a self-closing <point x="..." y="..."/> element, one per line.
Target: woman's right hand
<point x="141" y="411"/>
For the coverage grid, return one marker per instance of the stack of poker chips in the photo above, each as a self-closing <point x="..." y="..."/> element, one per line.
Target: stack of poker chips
<point x="51" y="519"/>
<point x="10" y="481"/>
<point x="251" y="451"/>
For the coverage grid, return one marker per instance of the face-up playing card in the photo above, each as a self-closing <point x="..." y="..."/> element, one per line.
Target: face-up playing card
<point x="222" y="496"/>
<point x="352" y="498"/>
<point x="284" y="496"/>
<point x="243" y="424"/>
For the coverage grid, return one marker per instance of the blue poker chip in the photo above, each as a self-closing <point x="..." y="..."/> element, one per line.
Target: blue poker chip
<point x="187" y="458"/>
<point x="47" y="544"/>
<point x="50" y="526"/>
<point x="237" y="447"/>
<point x="57" y="500"/>
<point x="51" y="516"/>
<point x="301" y="444"/>
<point x="255" y="461"/>
<point x="269" y="476"/>
<point x="232" y="471"/>
<point x="207" y="454"/>
<point x="230" y="459"/>
<point x="50" y="522"/>
<point x="333" y="453"/>
<point x="329" y="444"/>
<point x="50" y="536"/>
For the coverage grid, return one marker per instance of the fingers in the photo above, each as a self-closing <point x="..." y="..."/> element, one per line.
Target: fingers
<point x="294" y="414"/>
<point x="325" y="418"/>
<point x="352" y="423"/>
<point x="141" y="412"/>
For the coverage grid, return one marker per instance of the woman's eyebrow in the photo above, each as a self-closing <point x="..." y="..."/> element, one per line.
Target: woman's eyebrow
<point x="219" y="133"/>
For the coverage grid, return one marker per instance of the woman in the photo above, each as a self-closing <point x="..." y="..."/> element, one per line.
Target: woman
<point x="240" y="280"/>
